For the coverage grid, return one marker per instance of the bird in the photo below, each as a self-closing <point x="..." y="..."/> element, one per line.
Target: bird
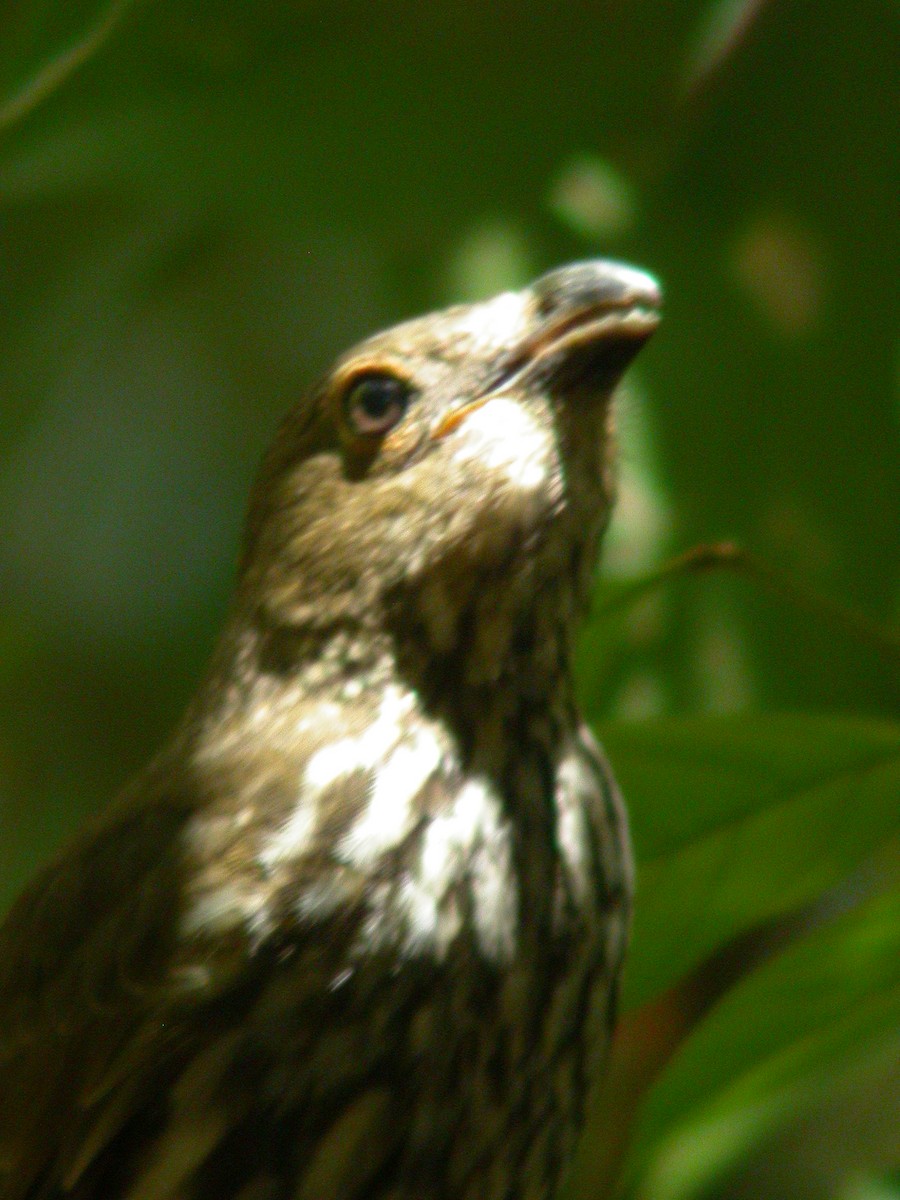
<point x="356" y="931"/>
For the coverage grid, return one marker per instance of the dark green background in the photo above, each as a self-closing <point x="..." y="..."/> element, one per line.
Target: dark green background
<point x="221" y="196"/>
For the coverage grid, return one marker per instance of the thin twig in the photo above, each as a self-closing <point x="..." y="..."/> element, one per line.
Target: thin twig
<point x="729" y="556"/>
<point x="54" y="74"/>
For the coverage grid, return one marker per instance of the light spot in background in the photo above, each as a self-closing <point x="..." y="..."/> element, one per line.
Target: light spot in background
<point x="593" y="198"/>
<point x="640" y="697"/>
<point x="782" y="270"/>
<point x="641" y="521"/>
<point x="648" y="619"/>
<point x="637" y="541"/>
<point x="796" y="537"/>
<point x="721" y="32"/>
<point x="493" y="257"/>
<point x="723" y="679"/>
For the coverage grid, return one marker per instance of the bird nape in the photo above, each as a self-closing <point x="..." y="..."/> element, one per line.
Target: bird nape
<point x="355" y="933"/>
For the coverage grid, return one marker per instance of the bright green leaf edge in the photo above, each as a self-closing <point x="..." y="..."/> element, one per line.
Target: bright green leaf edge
<point x="741" y="819"/>
<point x="773" y="1046"/>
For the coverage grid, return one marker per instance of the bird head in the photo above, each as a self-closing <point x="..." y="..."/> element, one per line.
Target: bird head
<point x="458" y="462"/>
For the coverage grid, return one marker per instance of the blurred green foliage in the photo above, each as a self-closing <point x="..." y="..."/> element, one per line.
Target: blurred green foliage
<point x="201" y="203"/>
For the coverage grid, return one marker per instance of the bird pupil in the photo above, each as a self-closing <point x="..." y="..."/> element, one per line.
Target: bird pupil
<point x="375" y="403"/>
<point x="378" y="395"/>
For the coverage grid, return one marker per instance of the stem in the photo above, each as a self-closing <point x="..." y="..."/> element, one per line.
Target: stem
<point x="731" y="557"/>
<point x="54" y="74"/>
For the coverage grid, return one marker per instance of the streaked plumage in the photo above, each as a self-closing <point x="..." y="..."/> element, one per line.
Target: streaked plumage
<point x="355" y="933"/>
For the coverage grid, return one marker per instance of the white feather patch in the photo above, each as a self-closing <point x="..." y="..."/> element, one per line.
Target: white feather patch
<point x="503" y="320"/>
<point x="469" y="840"/>
<point x="576" y="789"/>
<point x="390" y="813"/>
<point x="335" y="761"/>
<point x="503" y="437"/>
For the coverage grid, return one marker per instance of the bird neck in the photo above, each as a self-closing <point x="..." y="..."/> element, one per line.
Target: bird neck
<point x="506" y="686"/>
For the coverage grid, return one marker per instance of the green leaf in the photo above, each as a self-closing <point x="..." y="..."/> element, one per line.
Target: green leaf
<point x="739" y="819"/>
<point x="773" y="1046"/>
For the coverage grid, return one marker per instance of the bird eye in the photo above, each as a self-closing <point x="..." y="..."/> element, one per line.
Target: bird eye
<point x="374" y="404"/>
